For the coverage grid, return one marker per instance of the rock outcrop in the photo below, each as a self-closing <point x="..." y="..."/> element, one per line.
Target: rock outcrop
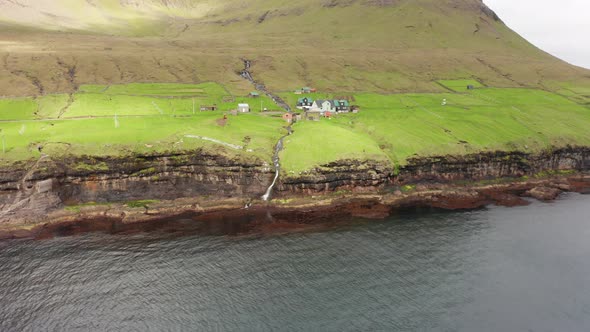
<point x="493" y="165"/>
<point x="103" y="179"/>
<point x="353" y="174"/>
<point x="47" y="184"/>
<point x="344" y="174"/>
<point x="544" y="193"/>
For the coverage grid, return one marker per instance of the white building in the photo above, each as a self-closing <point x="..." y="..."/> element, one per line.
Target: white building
<point x="322" y="106"/>
<point x="243" y="108"/>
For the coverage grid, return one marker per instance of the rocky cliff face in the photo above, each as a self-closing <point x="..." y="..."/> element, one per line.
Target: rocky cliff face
<point x="492" y="165"/>
<point x="344" y="174"/>
<point x="368" y="175"/>
<point x="159" y="177"/>
<point x="34" y="189"/>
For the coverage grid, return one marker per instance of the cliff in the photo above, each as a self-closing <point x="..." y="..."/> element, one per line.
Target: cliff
<point x="490" y="165"/>
<point x="351" y="174"/>
<point x="49" y="184"/>
<point x="35" y="188"/>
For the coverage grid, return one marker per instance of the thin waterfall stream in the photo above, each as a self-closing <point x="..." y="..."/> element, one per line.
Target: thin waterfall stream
<point x="247" y="75"/>
<point x="277" y="163"/>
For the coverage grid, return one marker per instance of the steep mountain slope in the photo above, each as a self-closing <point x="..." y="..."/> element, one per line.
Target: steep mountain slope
<point x="336" y="45"/>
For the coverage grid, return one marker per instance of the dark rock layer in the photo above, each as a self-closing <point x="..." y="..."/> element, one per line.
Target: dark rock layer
<point x="493" y="165"/>
<point x="101" y="180"/>
<point x="47" y="184"/>
<point x="349" y="174"/>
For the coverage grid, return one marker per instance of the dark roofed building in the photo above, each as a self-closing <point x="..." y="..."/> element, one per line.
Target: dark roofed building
<point x="341" y="106"/>
<point x="304" y="103"/>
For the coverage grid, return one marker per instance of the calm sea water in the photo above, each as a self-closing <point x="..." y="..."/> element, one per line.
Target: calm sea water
<point x="497" y="269"/>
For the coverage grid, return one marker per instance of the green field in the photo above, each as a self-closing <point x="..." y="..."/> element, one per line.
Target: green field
<point x="211" y="90"/>
<point x="103" y="137"/>
<point x="318" y="143"/>
<point x="127" y="100"/>
<point x="459" y="85"/>
<point x="17" y="109"/>
<point x="130" y="119"/>
<point x="142" y="118"/>
<point x="31" y="108"/>
<point x="411" y="125"/>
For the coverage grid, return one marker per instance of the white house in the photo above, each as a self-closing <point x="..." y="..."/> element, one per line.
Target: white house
<point x="243" y="108"/>
<point x="322" y="106"/>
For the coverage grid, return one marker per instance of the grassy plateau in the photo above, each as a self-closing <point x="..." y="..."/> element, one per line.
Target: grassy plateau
<point x="108" y="77"/>
<point x="401" y="126"/>
<point x="142" y="118"/>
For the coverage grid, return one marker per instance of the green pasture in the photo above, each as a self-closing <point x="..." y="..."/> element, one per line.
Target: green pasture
<point x="132" y="118"/>
<point x="459" y="85"/>
<point x="128" y="100"/>
<point x="318" y="143"/>
<point x="31" y="108"/>
<point x="410" y="125"/>
<point x="106" y="105"/>
<point x="157" y="99"/>
<point x="212" y="90"/>
<point x="17" y="109"/>
<point x="579" y="94"/>
<point x="582" y="99"/>
<point x="125" y="135"/>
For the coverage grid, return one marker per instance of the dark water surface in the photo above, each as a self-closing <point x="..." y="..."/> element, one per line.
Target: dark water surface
<point x="498" y="269"/>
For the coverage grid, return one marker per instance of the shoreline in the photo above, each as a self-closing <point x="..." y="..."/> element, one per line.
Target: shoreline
<point x="288" y="211"/>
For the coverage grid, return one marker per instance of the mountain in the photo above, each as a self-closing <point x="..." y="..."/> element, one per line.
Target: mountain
<point x="336" y="45"/>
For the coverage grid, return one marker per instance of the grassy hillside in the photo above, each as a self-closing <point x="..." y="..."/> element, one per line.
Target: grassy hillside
<point x="337" y="45"/>
<point x="118" y="120"/>
<point x="403" y="126"/>
<point x="146" y="118"/>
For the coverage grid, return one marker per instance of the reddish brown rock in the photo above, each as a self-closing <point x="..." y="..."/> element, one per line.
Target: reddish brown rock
<point x="580" y="185"/>
<point x="203" y="186"/>
<point x="463" y="199"/>
<point x="506" y="199"/>
<point x="544" y="193"/>
<point x="369" y="210"/>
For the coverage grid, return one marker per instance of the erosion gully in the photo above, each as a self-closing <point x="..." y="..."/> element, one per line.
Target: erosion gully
<point x="247" y="75"/>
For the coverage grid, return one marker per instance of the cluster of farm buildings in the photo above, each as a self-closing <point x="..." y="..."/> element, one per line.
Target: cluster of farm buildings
<point x="325" y="106"/>
<point x="311" y="109"/>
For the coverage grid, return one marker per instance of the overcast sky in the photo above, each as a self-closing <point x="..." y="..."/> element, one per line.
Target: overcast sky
<point x="560" y="27"/>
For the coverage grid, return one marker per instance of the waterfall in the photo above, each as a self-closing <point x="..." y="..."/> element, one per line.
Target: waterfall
<point x="247" y="75"/>
<point x="277" y="163"/>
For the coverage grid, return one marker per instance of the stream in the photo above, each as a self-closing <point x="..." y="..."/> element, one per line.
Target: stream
<point x="277" y="163"/>
<point x="246" y="74"/>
